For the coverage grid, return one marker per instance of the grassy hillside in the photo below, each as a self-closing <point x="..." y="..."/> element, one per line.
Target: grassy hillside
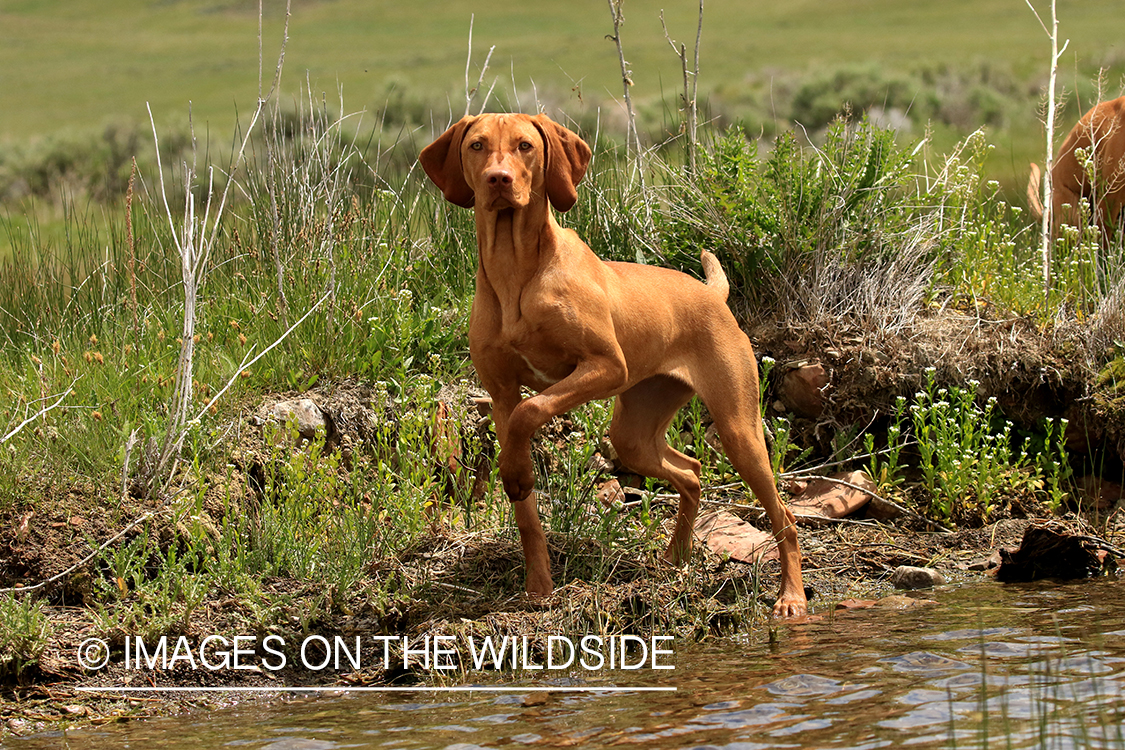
<point x="79" y="64"/>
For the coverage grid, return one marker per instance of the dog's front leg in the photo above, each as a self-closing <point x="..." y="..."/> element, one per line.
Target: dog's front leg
<point x="519" y="481"/>
<point x="515" y="427"/>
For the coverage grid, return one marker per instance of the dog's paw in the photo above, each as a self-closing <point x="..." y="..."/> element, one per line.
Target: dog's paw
<point x="789" y="607"/>
<point x="539" y="585"/>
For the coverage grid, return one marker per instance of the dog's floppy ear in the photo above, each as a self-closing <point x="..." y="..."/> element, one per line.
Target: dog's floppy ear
<point x="567" y="159"/>
<point x="442" y="162"/>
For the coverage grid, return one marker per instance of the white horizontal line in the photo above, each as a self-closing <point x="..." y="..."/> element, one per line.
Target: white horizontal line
<point x="368" y="689"/>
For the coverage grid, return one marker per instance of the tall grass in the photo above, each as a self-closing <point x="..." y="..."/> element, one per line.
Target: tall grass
<point x="328" y="236"/>
<point x="861" y="227"/>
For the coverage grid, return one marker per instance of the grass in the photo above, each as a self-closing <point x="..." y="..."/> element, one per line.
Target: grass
<point x="396" y="266"/>
<point x="80" y="67"/>
<point x="337" y="225"/>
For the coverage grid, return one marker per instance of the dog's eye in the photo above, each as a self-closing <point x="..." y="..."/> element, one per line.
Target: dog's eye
<point x="476" y="146"/>
<point x="525" y="146"/>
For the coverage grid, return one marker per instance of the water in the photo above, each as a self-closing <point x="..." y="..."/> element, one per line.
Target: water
<point x="1040" y="665"/>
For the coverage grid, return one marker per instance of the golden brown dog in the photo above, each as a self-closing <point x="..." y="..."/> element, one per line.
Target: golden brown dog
<point x="1101" y="133"/>
<point x="550" y="315"/>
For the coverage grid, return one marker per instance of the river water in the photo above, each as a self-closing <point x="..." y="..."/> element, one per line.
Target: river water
<point x="990" y="665"/>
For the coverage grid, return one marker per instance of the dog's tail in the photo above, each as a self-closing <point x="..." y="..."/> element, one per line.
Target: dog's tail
<point x="716" y="277"/>
<point x="1033" y="201"/>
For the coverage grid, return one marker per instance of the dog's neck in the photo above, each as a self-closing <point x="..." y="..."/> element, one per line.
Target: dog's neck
<point x="514" y="244"/>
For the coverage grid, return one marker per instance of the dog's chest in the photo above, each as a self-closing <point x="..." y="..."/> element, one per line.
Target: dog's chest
<point x="535" y="363"/>
<point x="539" y="378"/>
<point x="533" y="346"/>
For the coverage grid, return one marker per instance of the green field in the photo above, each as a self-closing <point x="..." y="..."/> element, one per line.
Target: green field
<point x="146" y="486"/>
<point x="78" y="65"/>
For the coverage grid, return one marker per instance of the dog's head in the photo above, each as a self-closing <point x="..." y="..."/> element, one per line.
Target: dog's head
<point x="500" y="161"/>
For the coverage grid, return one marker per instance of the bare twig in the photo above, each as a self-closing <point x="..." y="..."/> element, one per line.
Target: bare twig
<point x="691" y="89"/>
<point x="39" y="413"/>
<point x="632" y="135"/>
<point x="1048" y="186"/>
<point x="470" y="93"/>
<point x="194" y="238"/>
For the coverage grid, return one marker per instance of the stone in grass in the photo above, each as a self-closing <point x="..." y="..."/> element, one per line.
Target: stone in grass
<point x="304" y="414"/>
<point x="987" y="564"/>
<point x="802" y="389"/>
<point x="823" y="499"/>
<point x="910" y="577"/>
<point x="726" y="534"/>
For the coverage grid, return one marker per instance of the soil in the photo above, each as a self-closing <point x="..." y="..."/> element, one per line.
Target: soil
<point x="473" y="581"/>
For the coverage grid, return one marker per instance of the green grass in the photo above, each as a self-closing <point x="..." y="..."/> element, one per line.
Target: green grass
<point x="76" y="66"/>
<point x="88" y="312"/>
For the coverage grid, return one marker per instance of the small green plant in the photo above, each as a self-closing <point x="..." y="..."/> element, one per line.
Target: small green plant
<point x="961" y="457"/>
<point x="967" y="456"/>
<point x="24" y="630"/>
<point x="1054" y="464"/>
<point x="689" y="435"/>
<point x="148" y="590"/>
<point x="783" y="446"/>
<point x="311" y="524"/>
<point x="885" y="467"/>
<point x="808" y="232"/>
<point x="765" y="367"/>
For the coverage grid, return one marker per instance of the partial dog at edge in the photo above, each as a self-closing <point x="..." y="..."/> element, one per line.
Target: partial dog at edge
<point x="1101" y="134"/>
<point x="550" y="315"/>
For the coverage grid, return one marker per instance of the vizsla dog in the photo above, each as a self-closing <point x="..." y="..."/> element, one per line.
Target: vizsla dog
<point x="1101" y="133"/>
<point x="550" y="315"/>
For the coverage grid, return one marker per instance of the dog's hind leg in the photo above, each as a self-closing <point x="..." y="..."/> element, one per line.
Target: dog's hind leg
<point x="734" y="407"/>
<point x="641" y="417"/>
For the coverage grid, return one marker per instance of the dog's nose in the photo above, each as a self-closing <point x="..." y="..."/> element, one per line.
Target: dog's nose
<point x="498" y="177"/>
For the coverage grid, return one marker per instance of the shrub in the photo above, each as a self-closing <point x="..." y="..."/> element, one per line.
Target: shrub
<point x="23" y="634"/>
<point x="822" y="97"/>
<point x="809" y="232"/>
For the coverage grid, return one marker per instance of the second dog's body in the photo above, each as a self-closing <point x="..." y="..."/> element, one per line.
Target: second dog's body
<point x="550" y="315"/>
<point x="1101" y="134"/>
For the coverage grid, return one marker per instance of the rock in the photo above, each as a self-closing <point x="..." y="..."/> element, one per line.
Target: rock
<point x="483" y="405"/>
<point x="879" y="509"/>
<point x="986" y="563"/>
<point x="825" y="499"/>
<point x="898" y="601"/>
<point x="856" y="604"/>
<point x="802" y="389"/>
<point x="535" y="699"/>
<point x="1051" y="550"/>
<point x="610" y="493"/>
<point x="609" y="453"/>
<point x="599" y="463"/>
<point x="726" y="533"/>
<point x="304" y="414"/>
<point x="909" y="577"/>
